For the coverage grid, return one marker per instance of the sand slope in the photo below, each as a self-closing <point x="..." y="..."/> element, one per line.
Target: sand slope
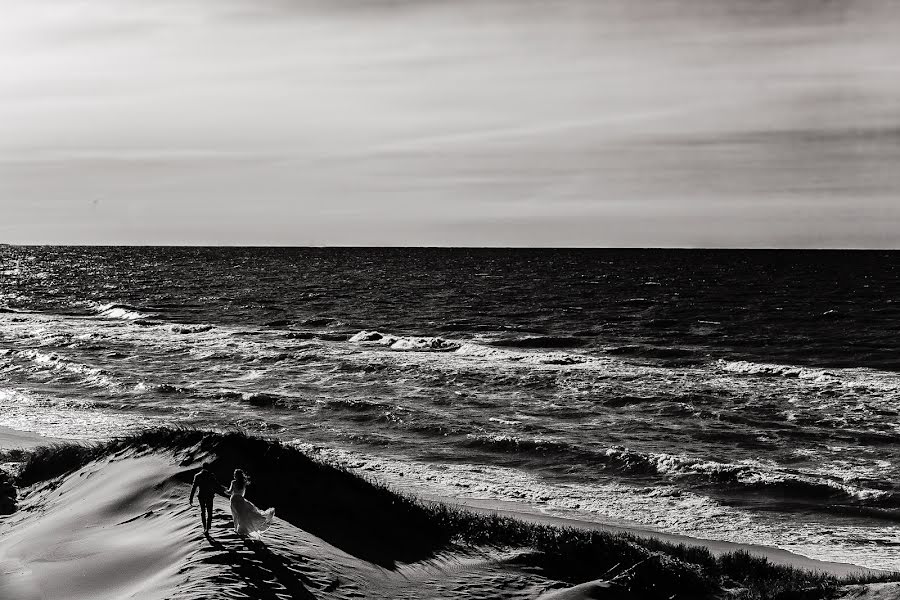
<point x="103" y="533"/>
<point x="121" y="528"/>
<point x="874" y="591"/>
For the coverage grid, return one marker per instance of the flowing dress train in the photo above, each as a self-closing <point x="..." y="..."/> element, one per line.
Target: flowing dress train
<point x="248" y="520"/>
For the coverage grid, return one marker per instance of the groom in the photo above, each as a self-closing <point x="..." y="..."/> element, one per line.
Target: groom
<point x="208" y="486"/>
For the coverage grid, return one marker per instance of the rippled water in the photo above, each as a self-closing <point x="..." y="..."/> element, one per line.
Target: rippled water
<point x="747" y="396"/>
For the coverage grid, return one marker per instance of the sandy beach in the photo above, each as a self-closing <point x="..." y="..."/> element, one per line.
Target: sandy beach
<point x="11" y="438"/>
<point x="119" y="526"/>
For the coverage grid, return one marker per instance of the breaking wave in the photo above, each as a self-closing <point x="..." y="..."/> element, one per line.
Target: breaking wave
<point x="728" y="479"/>
<point x="187" y="329"/>
<point x="858" y="379"/>
<point x="408" y="343"/>
<point x="51" y="362"/>
<point x="469" y="349"/>
<point x="120" y="311"/>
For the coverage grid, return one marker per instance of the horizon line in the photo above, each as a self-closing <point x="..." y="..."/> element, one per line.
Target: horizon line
<point x="465" y="247"/>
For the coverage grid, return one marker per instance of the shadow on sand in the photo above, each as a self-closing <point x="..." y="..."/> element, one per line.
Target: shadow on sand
<point x="267" y="575"/>
<point x="328" y="502"/>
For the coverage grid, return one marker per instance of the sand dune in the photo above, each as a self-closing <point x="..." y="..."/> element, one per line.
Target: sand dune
<point x="122" y="528"/>
<point x="110" y="531"/>
<point x="111" y="522"/>
<point x="585" y="591"/>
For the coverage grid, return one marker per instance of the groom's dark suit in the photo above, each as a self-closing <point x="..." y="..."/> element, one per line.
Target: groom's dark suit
<point x="206" y="484"/>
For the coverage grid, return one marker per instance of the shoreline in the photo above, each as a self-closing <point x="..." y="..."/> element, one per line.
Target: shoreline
<point x="13" y="439"/>
<point x="717" y="547"/>
<point x="17" y="439"/>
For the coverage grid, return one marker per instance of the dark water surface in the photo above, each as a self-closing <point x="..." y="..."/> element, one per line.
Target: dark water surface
<point x="748" y="396"/>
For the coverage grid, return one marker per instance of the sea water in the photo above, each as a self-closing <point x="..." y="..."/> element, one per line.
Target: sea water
<point x="749" y="396"/>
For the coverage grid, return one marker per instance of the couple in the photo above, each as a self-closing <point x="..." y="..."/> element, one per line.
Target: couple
<point x="248" y="519"/>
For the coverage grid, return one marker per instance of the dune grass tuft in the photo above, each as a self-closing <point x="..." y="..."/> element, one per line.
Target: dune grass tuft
<point x="8" y="494"/>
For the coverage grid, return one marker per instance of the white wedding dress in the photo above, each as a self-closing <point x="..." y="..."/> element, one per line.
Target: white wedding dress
<point x="248" y="520"/>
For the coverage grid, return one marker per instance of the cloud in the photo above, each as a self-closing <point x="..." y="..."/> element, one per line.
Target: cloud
<point x="217" y="115"/>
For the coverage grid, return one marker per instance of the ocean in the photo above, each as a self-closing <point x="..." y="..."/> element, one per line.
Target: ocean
<point x="748" y="396"/>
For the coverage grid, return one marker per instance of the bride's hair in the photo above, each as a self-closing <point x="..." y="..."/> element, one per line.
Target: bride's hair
<point x="240" y="476"/>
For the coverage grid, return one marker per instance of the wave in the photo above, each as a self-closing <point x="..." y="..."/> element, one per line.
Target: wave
<point x="120" y="311"/>
<point x="168" y="388"/>
<point x="744" y="478"/>
<point x="538" y="358"/>
<point x="188" y="329"/>
<point x="517" y="445"/>
<point x="270" y="400"/>
<point x="709" y="475"/>
<point x="469" y="349"/>
<point x="742" y="367"/>
<point x="51" y="361"/>
<point x="854" y="379"/>
<point x="396" y="342"/>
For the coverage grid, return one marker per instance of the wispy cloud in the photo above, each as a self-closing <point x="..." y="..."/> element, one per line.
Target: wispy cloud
<point x="270" y="111"/>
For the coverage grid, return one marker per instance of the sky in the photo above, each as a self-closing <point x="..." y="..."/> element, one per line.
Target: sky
<point x="688" y="123"/>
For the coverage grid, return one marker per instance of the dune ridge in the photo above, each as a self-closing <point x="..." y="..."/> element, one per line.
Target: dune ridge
<point x="111" y="520"/>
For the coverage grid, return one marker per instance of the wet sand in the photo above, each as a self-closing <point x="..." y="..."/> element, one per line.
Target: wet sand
<point x="11" y="438"/>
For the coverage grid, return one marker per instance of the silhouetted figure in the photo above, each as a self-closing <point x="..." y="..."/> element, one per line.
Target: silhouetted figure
<point x="207" y="485"/>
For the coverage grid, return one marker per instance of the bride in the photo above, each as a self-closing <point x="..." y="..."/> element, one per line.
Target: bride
<point x="248" y="519"/>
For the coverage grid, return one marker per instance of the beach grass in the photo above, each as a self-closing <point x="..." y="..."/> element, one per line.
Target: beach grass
<point x="373" y="522"/>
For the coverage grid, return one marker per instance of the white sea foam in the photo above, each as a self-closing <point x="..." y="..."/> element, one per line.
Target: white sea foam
<point x="469" y="349"/>
<point x="482" y="351"/>
<point x="52" y="361"/>
<point x="26" y="411"/>
<point x="856" y="379"/>
<point x="192" y="328"/>
<point x="119" y="311"/>
<point x="765" y="369"/>
<point x="404" y="343"/>
<point x="504" y="421"/>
